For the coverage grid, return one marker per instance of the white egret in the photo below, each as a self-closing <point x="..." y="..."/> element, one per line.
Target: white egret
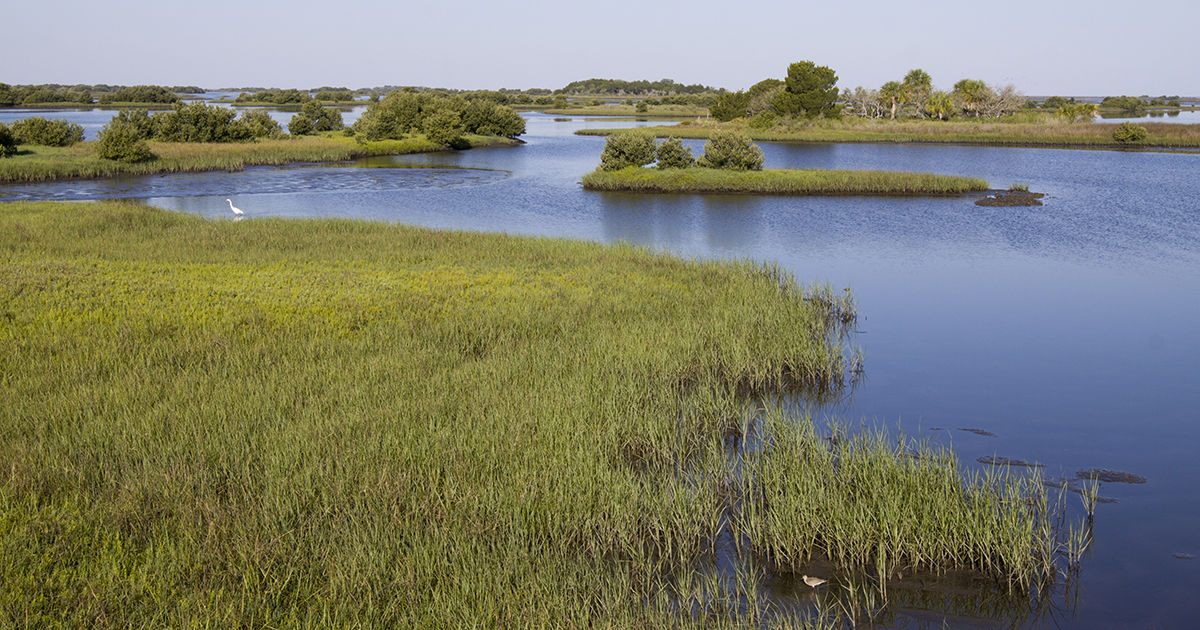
<point x="813" y="581"/>
<point x="235" y="210"/>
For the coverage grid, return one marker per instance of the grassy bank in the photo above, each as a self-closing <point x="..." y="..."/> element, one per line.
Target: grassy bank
<point x="333" y="423"/>
<point x="1033" y="131"/>
<point x="779" y="182"/>
<point x="39" y="163"/>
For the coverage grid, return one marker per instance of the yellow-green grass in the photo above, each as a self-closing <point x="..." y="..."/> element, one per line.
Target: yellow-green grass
<point x="334" y="423"/>
<point x="1036" y="131"/>
<point x="780" y="182"/>
<point x="38" y="163"/>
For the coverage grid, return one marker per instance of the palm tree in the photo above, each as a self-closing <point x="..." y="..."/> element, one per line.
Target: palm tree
<point x="896" y="93"/>
<point x="940" y="104"/>
<point x="972" y="93"/>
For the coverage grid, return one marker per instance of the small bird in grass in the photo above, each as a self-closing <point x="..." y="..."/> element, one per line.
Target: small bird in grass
<point x="235" y="210"/>
<point x="813" y="581"/>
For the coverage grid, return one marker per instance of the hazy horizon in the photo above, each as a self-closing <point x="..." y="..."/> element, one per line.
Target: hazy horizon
<point x="1070" y="48"/>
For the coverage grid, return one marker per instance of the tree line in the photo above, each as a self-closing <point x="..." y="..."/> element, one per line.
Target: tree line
<point x="617" y="87"/>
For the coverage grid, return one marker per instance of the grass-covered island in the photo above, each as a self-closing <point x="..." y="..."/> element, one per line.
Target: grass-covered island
<point x="336" y="423"/>
<point x="732" y="164"/>
<point x="779" y="182"/>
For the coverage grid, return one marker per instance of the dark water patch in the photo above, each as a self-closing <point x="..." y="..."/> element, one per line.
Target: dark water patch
<point x="1005" y="461"/>
<point x="1111" y="476"/>
<point x="1073" y="484"/>
<point x="978" y="432"/>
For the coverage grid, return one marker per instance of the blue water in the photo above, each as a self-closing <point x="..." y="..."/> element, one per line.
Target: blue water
<point x="1068" y="330"/>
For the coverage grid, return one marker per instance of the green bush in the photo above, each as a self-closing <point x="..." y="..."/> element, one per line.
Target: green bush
<point x="261" y="124"/>
<point x="198" y="122"/>
<point x="141" y="94"/>
<point x="443" y="127"/>
<point x="1127" y="132"/>
<point x="672" y="154"/>
<point x="8" y="142"/>
<point x="123" y="142"/>
<point x="140" y="119"/>
<point x="732" y="151"/>
<point x="763" y="120"/>
<point x="314" y="118"/>
<point x="627" y="149"/>
<point x="48" y="133"/>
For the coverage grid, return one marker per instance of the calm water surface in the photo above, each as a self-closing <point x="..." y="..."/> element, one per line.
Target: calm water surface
<point x="1068" y="330"/>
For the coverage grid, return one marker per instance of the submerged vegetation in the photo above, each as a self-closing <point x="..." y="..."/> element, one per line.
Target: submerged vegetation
<point x="334" y="423"/>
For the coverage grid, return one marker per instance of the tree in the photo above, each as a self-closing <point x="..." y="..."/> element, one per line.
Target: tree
<point x="940" y="104"/>
<point x="672" y="154"/>
<point x="729" y="106"/>
<point x="732" y="151"/>
<point x="864" y="102"/>
<point x="917" y="84"/>
<point x="633" y="148"/>
<point x="971" y="92"/>
<point x="811" y="91"/>
<point x="895" y="93"/>
<point x="1005" y="100"/>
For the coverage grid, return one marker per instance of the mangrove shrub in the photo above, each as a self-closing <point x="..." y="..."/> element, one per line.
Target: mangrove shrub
<point x="48" y="133"/>
<point x="732" y="151"/>
<point x="198" y="122"/>
<point x="8" y="142"/>
<point x="1127" y="132"/>
<point x="444" y="127"/>
<point x="627" y="149"/>
<point x="140" y="94"/>
<point x="123" y="142"/>
<point x="260" y="124"/>
<point x="315" y="118"/>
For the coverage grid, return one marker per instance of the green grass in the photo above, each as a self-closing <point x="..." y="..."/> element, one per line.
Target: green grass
<point x="1023" y="130"/>
<point x="779" y="182"/>
<point x="38" y="163"/>
<point x="333" y="423"/>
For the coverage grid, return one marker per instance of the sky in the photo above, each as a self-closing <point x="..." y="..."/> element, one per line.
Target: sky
<point x="1042" y="47"/>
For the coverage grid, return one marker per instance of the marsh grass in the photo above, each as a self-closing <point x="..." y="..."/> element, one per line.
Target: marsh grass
<point x="1036" y="131"/>
<point x="38" y="163"/>
<point x="780" y="182"/>
<point x="334" y="423"/>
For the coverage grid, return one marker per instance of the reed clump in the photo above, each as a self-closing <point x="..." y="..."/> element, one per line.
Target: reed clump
<point x="336" y="423"/>
<point x="780" y="182"/>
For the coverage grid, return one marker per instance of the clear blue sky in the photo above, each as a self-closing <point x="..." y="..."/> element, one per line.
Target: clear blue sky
<point x="1044" y="47"/>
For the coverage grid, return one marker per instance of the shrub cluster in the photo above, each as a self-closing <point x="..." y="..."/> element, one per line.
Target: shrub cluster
<point x="732" y="151"/>
<point x="13" y="95"/>
<point x="725" y="150"/>
<point x="278" y="97"/>
<point x="1128" y="103"/>
<point x="314" y="118"/>
<point x="406" y="111"/>
<point x="8" y="142"/>
<point x="1128" y="132"/>
<point x="140" y="94"/>
<point x="122" y="141"/>
<point x="49" y="133"/>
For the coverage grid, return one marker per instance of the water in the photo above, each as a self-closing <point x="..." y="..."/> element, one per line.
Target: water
<point x="1067" y="330"/>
